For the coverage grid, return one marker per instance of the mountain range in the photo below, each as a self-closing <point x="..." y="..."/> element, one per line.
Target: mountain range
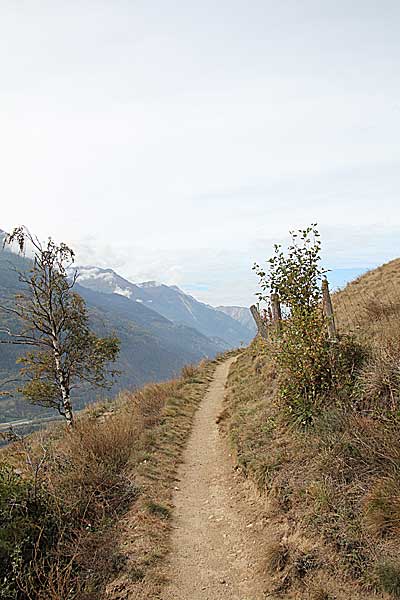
<point x="173" y="304"/>
<point x="160" y="328"/>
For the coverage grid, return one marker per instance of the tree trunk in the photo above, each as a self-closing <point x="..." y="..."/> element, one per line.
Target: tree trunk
<point x="65" y="394"/>
<point x="69" y="415"/>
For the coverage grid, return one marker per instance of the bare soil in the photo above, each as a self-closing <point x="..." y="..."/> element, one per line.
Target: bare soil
<point x="214" y="540"/>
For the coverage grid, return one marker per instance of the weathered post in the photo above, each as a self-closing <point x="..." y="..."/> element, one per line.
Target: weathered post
<point x="261" y="327"/>
<point x="276" y="312"/>
<point x="269" y="313"/>
<point x="328" y="309"/>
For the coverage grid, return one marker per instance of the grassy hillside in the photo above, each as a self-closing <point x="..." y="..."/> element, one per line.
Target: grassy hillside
<point x="330" y="489"/>
<point x="369" y="306"/>
<point x="67" y="497"/>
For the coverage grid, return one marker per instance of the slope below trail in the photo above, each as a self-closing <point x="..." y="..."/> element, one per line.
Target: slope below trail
<point x="213" y="554"/>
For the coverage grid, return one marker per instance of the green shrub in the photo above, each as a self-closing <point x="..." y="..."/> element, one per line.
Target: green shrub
<point x="313" y="369"/>
<point x="27" y="529"/>
<point x="310" y="364"/>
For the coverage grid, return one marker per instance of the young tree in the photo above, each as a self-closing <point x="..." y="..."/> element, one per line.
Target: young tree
<point x="310" y="366"/>
<point x="54" y="322"/>
<point x="302" y="350"/>
<point x="296" y="275"/>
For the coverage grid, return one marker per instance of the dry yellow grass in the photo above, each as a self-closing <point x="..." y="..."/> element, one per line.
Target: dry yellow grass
<point x="108" y="487"/>
<point x="331" y="491"/>
<point x="369" y="308"/>
<point x="370" y="305"/>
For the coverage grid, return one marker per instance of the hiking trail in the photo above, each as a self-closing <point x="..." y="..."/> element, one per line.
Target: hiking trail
<point x="214" y="543"/>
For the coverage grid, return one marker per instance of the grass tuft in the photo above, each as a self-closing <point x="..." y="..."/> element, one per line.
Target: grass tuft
<point x="158" y="509"/>
<point x="388" y="573"/>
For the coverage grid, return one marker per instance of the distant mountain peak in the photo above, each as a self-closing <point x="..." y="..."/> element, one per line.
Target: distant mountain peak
<point x="103" y="280"/>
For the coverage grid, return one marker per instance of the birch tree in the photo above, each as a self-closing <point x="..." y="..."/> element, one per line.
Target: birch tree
<point x="63" y="351"/>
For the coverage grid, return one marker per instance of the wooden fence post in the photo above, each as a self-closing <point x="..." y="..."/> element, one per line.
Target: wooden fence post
<point x="269" y="313"/>
<point x="328" y="309"/>
<point x="261" y="327"/>
<point x="276" y="311"/>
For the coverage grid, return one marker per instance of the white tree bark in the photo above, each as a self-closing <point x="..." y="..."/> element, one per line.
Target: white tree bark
<point x="65" y="394"/>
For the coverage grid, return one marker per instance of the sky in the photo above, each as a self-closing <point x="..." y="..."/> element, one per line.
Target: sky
<point x="179" y="140"/>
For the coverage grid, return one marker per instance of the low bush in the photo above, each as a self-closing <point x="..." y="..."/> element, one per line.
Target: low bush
<point x="56" y="509"/>
<point x="313" y="370"/>
<point x="28" y="524"/>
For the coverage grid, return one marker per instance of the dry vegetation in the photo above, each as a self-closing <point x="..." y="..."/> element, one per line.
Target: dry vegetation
<point x="370" y="307"/>
<point x="331" y="490"/>
<point x="370" y="301"/>
<point x="85" y="514"/>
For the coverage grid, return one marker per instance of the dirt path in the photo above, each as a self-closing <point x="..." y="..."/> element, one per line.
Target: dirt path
<point x="213" y="551"/>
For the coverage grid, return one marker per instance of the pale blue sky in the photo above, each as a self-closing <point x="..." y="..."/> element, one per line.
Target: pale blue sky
<point x="178" y="140"/>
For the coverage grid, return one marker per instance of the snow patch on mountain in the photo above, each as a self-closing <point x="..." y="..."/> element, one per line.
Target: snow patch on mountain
<point x="87" y="273"/>
<point x="127" y="293"/>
